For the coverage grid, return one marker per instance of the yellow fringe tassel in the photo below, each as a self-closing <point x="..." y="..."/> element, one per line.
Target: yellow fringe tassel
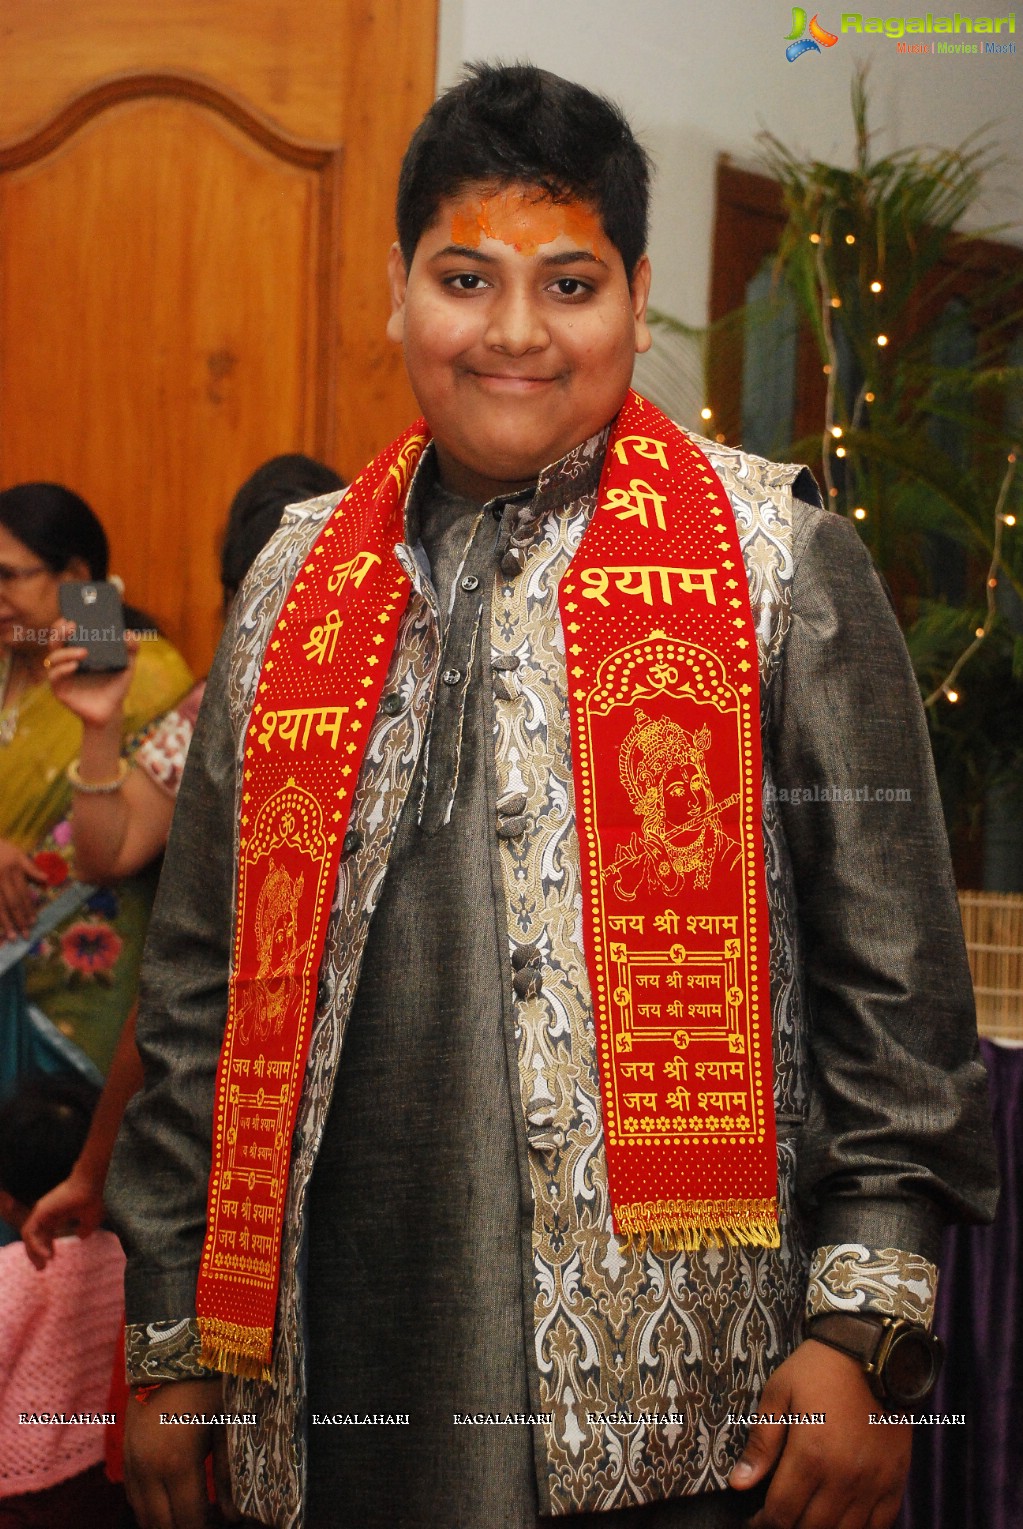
<point x="685" y="1226"/>
<point x="235" y="1350"/>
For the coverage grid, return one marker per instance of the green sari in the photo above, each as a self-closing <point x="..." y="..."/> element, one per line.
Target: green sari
<point x="84" y="973"/>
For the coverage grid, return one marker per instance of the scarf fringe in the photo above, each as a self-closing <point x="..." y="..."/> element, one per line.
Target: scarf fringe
<point x="685" y="1226"/>
<point x="235" y="1350"/>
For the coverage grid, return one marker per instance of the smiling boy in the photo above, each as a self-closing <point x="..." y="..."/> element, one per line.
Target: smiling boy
<point x="539" y="1008"/>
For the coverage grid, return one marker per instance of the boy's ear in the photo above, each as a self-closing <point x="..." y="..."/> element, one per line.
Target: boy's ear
<point x="397" y="277"/>
<point x="639" y="287"/>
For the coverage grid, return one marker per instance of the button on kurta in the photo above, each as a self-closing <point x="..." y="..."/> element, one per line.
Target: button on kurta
<point x="470" y="582"/>
<point x="527" y="979"/>
<point x="352" y="842"/>
<point x="392" y="704"/>
<point x="451" y="676"/>
<point x="528" y="982"/>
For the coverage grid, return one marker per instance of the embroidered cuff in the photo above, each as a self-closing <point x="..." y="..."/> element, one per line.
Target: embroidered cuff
<point x="851" y="1277"/>
<point x="155" y="1351"/>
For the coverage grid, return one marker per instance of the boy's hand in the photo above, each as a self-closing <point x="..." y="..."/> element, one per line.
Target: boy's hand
<point x="165" y="1463"/>
<point x="842" y="1474"/>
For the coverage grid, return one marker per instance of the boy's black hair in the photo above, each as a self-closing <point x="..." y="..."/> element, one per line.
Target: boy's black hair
<point x="513" y="122"/>
<point x="43" y="1127"/>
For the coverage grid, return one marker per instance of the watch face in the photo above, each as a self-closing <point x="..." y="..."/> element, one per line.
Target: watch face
<point x="910" y="1367"/>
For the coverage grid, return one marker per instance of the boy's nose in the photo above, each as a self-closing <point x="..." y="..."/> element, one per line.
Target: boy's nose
<point x="516" y="324"/>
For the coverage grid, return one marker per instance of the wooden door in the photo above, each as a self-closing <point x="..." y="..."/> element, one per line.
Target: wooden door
<point x="196" y="203"/>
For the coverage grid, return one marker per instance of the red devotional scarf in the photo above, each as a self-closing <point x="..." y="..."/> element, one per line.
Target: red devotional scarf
<point x="664" y="706"/>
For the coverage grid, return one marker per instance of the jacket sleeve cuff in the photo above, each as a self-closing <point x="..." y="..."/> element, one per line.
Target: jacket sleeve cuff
<point x="890" y="1282"/>
<point x="158" y="1351"/>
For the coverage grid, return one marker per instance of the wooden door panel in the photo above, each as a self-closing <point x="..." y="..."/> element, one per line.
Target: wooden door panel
<point x="164" y="299"/>
<point x="292" y="60"/>
<point x="188" y="282"/>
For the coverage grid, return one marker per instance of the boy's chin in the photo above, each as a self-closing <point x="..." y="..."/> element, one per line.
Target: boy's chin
<point x="508" y="457"/>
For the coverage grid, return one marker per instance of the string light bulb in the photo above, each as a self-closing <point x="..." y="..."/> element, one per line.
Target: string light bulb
<point x="979" y="633"/>
<point x="876" y="286"/>
<point x="706" y="413"/>
<point x="836" y="431"/>
<point x="840" y="451"/>
<point x="868" y="397"/>
<point x="882" y="339"/>
<point x="951" y="693"/>
<point x="836" y="302"/>
<point x="850" y="238"/>
<point x="859" y="513"/>
<point x="1009" y="520"/>
<point x="815" y="238"/>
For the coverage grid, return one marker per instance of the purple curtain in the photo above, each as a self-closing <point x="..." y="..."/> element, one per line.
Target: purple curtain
<point x="971" y="1476"/>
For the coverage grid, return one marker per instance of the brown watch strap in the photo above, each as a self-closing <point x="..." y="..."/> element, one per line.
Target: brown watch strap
<point x="859" y="1337"/>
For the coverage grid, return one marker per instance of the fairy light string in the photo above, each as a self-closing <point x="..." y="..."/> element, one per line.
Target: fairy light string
<point x="946" y="688"/>
<point x="832" y="434"/>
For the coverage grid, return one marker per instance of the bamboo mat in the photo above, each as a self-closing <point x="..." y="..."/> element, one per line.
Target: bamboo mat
<point x="993" y="925"/>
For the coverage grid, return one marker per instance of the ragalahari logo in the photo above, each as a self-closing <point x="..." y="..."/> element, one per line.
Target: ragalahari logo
<point x="798" y="44"/>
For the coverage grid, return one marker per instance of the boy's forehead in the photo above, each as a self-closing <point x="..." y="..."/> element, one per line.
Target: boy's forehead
<point x="523" y="216"/>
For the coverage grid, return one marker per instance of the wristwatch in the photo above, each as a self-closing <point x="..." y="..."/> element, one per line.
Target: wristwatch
<point x="900" y="1360"/>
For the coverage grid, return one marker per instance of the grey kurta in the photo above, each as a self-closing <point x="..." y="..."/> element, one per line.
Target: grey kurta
<point x="417" y="1206"/>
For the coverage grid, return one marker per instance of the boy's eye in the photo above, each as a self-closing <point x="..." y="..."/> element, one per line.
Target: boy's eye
<point x="465" y="281"/>
<point x="571" y="286"/>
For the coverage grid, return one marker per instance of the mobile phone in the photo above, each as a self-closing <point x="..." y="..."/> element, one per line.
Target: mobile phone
<point x="94" y="605"/>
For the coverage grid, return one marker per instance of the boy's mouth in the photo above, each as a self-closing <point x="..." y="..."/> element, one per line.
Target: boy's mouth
<point x="512" y="382"/>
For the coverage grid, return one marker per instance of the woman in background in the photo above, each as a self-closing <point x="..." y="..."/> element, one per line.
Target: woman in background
<point x="118" y="832"/>
<point x="83" y="973"/>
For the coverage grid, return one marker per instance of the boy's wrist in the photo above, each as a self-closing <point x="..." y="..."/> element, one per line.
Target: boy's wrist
<point x="863" y="1281"/>
<point x="156" y="1352"/>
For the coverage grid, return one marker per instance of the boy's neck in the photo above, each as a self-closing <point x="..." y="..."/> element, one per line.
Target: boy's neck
<point x="469" y="484"/>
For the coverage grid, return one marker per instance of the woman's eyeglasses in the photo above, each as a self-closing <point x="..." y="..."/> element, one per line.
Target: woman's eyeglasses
<point x="9" y="575"/>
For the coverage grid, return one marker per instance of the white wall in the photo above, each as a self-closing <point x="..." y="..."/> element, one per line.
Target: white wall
<point x="699" y="77"/>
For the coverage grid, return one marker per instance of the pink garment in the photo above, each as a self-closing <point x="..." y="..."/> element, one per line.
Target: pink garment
<point x="164" y="748"/>
<point x="58" y="1331"/>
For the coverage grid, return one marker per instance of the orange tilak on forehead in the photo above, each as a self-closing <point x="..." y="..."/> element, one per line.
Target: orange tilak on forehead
<point x="526" y="222"/>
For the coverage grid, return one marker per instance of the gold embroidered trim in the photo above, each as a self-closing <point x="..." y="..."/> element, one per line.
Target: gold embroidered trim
<point x="234" y="1349"/>
<point x="684" y="1226"/>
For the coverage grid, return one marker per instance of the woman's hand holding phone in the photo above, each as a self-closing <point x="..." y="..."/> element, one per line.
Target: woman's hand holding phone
<point x="98" y="699"/>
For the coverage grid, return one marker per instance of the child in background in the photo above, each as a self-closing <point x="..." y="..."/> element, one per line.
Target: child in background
<point x="58" y="1329"/>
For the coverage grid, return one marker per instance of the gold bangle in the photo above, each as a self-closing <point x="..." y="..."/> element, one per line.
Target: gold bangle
<point x="99" y="787"/>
